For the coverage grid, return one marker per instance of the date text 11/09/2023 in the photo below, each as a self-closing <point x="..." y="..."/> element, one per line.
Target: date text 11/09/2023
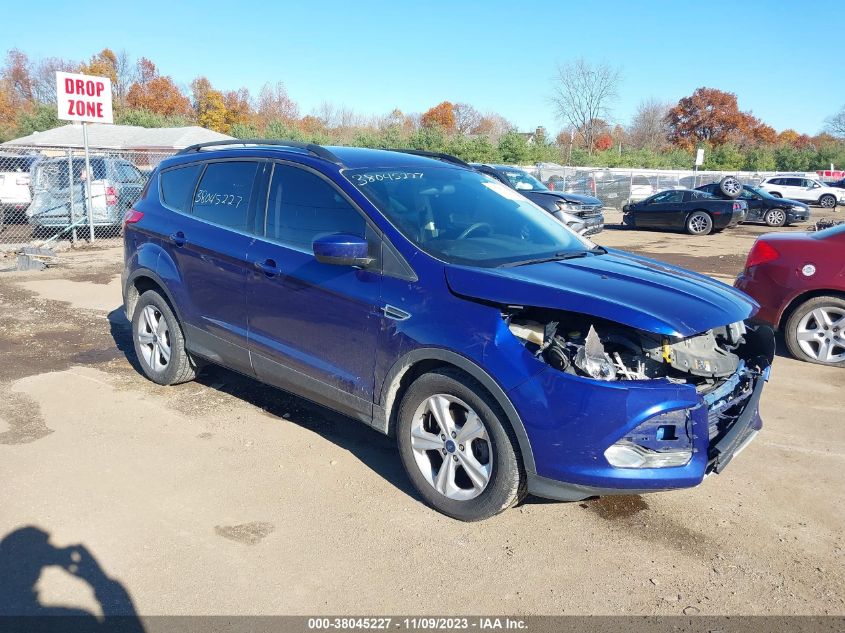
<point x="417" y="623"/>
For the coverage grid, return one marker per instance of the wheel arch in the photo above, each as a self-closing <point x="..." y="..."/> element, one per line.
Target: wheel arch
<point x="420" y="361"/>
<point x="709" y="213"/>
<point x="797" y="300"/>
<point x="139" y="282"/>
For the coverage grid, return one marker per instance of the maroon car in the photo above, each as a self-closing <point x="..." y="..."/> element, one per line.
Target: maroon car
<point x="799" y="281"/>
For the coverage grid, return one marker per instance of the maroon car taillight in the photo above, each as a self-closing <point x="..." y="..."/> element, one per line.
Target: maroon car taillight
<point x="761" y="253"/>
<point x="737" y="206"/>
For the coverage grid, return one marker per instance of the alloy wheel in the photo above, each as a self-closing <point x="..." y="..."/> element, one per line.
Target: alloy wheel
<point x="154" y="338"/>
<point x="451" y="447"/>
<point x="699" y="224"/>
<point x="828" y="202"/>
<point x="821" y="334"/>
<point x="775" y="217"/>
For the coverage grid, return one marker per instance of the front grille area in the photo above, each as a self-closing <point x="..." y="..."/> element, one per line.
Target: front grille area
<point x="726" y="403"/>
<point x="588" y="210"/>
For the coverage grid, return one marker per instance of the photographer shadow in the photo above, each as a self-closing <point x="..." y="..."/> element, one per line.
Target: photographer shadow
<point x="24" y="553"/>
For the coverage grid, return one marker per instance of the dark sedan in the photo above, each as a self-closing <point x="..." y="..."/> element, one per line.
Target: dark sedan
<point x="696" y="212"/>
<point x="587" y="208"/>
<point x="764" y="207"/>
<point x="797" y="280"/>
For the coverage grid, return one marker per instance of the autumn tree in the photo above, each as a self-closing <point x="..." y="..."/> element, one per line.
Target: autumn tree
<point x="208" y="105"/>
<point x="583" y="94"/>
<point x="17" y="72"/>
<point x="494" y="126"/>
<point x="156" y="93"/>
<point x="115" y="66"/>
<point x="238" y="105"/>
<point x="649" y="128"/>
<point x="713" y="116"/>
<point x="835" y="124"/>
<point x="440" y="116"/>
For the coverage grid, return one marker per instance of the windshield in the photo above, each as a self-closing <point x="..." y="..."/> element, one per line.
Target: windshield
<point x="523" y="181"/>
<point x="464" y="217"/>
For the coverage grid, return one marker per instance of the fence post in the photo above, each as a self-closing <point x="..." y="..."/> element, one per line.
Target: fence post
<point x="88" y="177"/>
<point x="72" y="203"/>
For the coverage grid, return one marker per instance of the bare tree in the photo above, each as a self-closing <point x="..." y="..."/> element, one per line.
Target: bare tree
<point x="583" y="94"/>
<point x="44" y="77"/>
<point x="467" y="118"/>
<point x="835" y="124"/>
<point x="125" y="70"/>
<point x="274" y="103"/>
<point x="649" y="128"/>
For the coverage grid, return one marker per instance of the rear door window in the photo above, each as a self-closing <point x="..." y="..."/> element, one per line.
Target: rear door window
<point x="302" y="207"/>
<point x="224" y="195"/>
<point x="177" y="186"/>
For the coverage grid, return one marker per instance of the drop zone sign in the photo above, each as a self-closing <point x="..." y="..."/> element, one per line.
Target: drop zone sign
<point x="84" y="98"/>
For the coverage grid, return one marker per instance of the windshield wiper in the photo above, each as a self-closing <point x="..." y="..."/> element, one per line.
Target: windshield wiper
<point x="597" y="250"/>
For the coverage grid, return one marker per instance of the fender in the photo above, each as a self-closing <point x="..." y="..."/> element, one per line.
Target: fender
<point x="382" y="411"/>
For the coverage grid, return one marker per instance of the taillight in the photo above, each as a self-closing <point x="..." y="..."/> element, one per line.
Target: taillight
<point x="737" y="206"/>
<point x="111" y="196"/>
<point x="551" y="186"/>
<point x="761" y="253"/>
<point x="132" y="216"/>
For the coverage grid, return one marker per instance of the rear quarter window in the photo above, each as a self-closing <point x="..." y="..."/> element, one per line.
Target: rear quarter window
<point x="224" y="195"/>
<point x="177" y="186"/>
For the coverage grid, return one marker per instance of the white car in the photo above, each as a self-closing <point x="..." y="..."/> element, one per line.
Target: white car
<point x="14" y="186"/>
<point x="803" y="189"/>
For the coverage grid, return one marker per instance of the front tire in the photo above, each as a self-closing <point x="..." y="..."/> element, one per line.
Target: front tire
<point x="159" y="341"/>
<point x="827" y="201"/>
<point x="815" y="331"/>
<point x="457" y="447"/>
<point x="775" y="217"/>
<point x="699" y="223"/>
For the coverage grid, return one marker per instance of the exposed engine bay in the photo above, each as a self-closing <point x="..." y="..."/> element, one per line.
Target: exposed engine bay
<point x="603" y="350"/>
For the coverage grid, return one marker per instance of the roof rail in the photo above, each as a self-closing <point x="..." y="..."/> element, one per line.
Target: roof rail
<point x="448" y="158"/>
<point x="316" y="150"/>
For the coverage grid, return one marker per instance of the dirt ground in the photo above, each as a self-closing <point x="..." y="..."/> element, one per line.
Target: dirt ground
<point x="223" y="496"/>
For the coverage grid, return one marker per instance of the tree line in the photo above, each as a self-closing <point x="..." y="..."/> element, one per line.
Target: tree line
<point x="660" y="135"/>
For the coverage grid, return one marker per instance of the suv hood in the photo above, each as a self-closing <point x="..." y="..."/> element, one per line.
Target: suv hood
<point x="568" y="197"/>
<point x="628" y="289"/>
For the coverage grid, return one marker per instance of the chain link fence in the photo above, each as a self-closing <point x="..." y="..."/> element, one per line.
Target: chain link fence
<point x="616" y="187"/>
<point x="50" y="194"/>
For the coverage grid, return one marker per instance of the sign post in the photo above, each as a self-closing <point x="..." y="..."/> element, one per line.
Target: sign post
<point x="699" y="160"/>
<point x="85" y="99"/>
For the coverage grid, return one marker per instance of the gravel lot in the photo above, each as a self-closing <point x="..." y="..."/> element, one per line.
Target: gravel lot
<point x="223" y="496"/>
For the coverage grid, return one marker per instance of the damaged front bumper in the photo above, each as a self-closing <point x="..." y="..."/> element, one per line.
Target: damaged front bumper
<point x="571" y="421"/>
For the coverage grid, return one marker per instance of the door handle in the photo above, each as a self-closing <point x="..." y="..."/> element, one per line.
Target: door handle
<point x="178" y="238"/>
<point x="268" y="267"/>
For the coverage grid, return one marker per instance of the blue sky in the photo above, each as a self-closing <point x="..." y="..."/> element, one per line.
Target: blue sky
<point x="783" y="60"/>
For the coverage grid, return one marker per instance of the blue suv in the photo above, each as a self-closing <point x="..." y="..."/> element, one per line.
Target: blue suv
<point x="505" y="353"/>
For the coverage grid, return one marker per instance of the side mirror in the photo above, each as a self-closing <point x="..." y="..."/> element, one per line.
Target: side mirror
<point x="342" y="249"/>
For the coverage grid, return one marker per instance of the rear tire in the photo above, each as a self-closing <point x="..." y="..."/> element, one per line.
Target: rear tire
<point x="776" y="194"/>
<point x="775" y="217"/>
<point x="448" y="421"/>
<point x="827" y="201"/>
<point x="699" y="223"/>
<point x="159" y="341"/>
<point x="815" y="331"/>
